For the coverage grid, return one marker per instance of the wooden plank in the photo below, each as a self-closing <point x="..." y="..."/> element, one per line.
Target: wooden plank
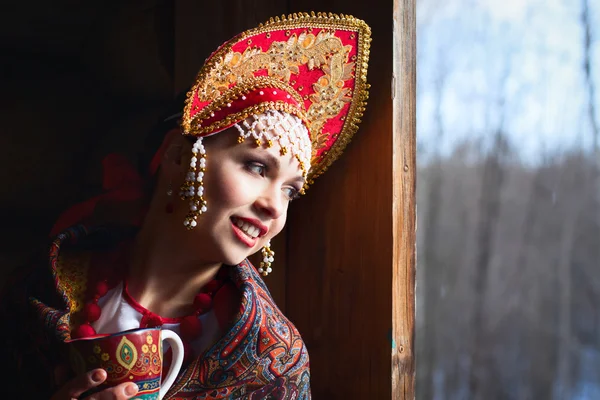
<point x="340" y="240"/>
<point x="404" y="187"/>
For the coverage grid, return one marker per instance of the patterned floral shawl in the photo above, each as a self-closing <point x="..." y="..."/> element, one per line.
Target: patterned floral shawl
<point x="260" y="356"/>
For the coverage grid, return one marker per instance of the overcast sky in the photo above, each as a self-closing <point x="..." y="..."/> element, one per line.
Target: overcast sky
<point x="518" y="63"/>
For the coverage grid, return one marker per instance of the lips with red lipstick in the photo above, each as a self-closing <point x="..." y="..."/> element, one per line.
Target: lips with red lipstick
<point x="248" y="230"/>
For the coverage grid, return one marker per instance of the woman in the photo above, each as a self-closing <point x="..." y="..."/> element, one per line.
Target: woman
<point x="270" y="110"/>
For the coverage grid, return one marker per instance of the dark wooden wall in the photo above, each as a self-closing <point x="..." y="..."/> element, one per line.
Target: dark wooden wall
<point x="80" y="80"/>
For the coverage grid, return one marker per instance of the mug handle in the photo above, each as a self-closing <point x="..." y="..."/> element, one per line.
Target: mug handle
<point x="176" y="362"/>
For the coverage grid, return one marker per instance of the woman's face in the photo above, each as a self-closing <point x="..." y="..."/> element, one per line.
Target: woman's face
<point x="248" y="190"/>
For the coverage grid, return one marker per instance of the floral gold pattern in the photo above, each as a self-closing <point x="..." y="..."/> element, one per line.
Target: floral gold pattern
<point x="318" y="64"/>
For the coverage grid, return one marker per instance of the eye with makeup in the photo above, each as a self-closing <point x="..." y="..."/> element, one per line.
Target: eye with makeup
<point x="292" y="193"/>
<point x="256" y="167"/>
<point x="260" y="169"/>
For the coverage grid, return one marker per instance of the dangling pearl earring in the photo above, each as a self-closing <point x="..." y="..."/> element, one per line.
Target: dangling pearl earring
<point x="169" y="206"/>
<point x="268" y="258"/>
<point x="192" y="188"/>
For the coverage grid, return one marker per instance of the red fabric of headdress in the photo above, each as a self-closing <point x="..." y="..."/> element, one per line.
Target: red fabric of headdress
<point x="313" y="66"/>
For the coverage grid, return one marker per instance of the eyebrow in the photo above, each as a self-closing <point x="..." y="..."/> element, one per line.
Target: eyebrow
<point x="274" y="162"/>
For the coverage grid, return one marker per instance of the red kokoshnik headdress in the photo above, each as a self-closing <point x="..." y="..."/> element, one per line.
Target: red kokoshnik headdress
<point x="299" y="80"/>
<point x="313" y="66"/>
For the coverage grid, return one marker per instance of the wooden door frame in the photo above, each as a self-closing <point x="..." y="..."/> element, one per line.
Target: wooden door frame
<point x="404" y="87"/>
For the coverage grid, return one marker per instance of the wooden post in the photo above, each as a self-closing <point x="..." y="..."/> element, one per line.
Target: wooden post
<point x="404" y="187"/>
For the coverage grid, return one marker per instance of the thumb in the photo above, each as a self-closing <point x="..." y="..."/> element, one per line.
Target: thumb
<point x="80" y="384"/>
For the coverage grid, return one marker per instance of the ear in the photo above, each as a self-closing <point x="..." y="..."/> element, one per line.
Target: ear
<point x="171" y="137"/>
<point x="174" y="150"/>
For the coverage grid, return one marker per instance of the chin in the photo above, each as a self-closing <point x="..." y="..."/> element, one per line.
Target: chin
<point x="231" y="259"/>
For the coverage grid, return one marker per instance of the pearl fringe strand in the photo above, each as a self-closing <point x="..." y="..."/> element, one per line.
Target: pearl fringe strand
<point x="192" y="188"/>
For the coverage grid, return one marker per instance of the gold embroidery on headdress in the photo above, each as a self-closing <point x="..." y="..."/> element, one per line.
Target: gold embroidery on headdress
<point x="282" y="59"/>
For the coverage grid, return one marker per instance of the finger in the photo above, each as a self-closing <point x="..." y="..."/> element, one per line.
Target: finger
<point x="123" y="391"/>
<point x="81" y="384"/>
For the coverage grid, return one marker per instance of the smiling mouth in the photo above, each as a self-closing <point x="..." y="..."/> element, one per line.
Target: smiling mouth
<point x="250" y="230"/>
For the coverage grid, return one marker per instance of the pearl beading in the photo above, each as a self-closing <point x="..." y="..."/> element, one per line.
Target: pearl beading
<point x="268" y="257"/>
<point x="192" y="188"/>
<point x="288" y="130"/>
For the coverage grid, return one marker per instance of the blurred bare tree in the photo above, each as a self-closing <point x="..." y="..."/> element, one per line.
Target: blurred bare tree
<point x="508" y="273"/>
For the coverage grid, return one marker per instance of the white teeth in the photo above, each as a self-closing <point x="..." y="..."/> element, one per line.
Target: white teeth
<point x="248" y="229"/>
<point x="253" y="231"/>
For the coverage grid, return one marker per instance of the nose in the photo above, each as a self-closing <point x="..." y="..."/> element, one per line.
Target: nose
<point x="271" y="203"/>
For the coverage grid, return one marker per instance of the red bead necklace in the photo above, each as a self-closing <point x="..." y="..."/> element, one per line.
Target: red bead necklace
<point x="190" y="327"/>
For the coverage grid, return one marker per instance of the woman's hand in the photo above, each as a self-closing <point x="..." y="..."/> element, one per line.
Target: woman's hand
<point x="74" y="388"/>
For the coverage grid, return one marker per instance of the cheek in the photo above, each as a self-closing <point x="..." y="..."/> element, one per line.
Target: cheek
<point x="225" y="187"/>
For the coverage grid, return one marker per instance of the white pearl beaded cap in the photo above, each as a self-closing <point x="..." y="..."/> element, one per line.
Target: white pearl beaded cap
<point x="192" y="188"/>
<point x="286" y="129"/>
